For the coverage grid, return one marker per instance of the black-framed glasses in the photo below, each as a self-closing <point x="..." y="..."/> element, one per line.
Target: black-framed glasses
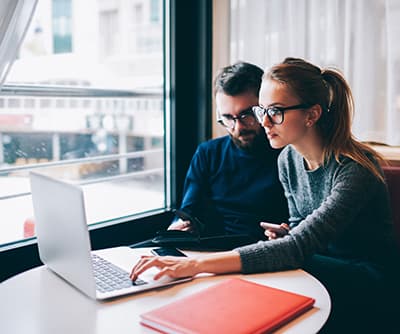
<point x="275" y="114"/>
<point x="246" y="117"/>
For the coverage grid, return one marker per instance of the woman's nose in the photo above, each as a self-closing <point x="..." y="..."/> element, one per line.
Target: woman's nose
<point x="266" y="122"/>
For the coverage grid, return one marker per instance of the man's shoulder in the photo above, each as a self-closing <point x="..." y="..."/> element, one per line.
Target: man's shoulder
<point x="215" y="144"/>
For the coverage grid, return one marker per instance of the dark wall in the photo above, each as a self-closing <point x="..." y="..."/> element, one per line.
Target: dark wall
<point x="191" y="83"/>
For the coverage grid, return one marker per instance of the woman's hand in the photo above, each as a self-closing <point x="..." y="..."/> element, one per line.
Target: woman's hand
<point x="171" y="266"/>
<point x="274" y="231"/>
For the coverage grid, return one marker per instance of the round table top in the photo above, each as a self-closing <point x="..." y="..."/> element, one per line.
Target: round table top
<point x="38" y="301"/>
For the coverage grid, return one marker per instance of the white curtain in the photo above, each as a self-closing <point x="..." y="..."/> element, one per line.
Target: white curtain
<point x="360" y="38"/>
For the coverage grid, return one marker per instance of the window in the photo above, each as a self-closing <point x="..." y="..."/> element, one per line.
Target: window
<point x="108" y="26"/>
<point x="146" y="18"/>
<point x="61" y="20"/>
<point x="182" y="129"/>
<point x="137" y="14"/>
<point x="154" y="11"/>
<point x="70" y="110"/>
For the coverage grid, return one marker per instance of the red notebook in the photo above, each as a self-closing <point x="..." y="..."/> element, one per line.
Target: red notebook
<point x="232" y="306"/>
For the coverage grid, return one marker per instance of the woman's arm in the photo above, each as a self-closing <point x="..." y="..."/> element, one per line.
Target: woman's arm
<point x="216" y="263"/>
<point x="350" y="191"/>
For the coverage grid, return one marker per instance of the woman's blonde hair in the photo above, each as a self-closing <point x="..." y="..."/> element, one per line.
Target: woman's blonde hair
<point x="329" y="89"/>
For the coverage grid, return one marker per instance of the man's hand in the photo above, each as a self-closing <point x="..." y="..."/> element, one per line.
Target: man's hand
<point x="274" y="231"/>
<point x="183" y="225"/>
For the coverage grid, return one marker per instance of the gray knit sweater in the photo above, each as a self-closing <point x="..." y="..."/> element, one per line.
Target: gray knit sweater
<point x="340" y="210"/>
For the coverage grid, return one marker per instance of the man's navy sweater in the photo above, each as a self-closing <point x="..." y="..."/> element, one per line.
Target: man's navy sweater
<point x="232" y="190"/>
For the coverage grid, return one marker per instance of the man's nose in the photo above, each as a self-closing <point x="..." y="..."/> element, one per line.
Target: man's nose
<point x="239" y="124"/>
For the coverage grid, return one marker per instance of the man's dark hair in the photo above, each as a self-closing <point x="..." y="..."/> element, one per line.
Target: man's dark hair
<point x="239" y="78"/>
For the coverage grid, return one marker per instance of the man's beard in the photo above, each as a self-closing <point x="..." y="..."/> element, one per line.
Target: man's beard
<point x="259" y="141"/>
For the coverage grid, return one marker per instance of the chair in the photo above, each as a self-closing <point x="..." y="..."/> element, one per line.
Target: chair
<point x="392" y="176"/>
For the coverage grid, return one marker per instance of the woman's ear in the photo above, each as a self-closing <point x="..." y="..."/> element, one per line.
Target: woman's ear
<point x="313" y="115"/>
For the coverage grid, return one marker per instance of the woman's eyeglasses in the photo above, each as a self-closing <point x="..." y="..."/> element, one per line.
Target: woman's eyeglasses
<point x="275" y="114"/>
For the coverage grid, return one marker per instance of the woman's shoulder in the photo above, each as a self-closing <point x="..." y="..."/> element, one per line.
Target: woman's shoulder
<point x="288" y="156"/>
<point x="349" y="169"/>
<point x="354" y="165"/>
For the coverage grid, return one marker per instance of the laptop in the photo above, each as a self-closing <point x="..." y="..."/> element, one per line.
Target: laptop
<point x="64" y="244"/>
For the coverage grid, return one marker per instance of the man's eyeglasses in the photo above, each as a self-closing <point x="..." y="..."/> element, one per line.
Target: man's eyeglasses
<point x="275" y="114"/>
<point x="246" y="117"/>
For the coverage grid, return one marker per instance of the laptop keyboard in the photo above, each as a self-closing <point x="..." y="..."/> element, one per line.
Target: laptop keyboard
<point x="109" y="277"/>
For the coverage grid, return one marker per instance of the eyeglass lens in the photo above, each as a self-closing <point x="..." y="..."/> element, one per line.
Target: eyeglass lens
<point x="230" y="121"/>
<point x="274" y="114"/>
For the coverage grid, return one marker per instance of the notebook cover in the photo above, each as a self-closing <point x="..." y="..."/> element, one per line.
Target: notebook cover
<point x="232" y="306"/>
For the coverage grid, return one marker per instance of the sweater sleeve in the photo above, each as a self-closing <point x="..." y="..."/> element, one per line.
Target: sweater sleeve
<point x="351" y="191"/>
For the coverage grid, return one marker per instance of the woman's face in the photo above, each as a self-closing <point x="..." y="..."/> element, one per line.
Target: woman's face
<point x="295" y="124"/>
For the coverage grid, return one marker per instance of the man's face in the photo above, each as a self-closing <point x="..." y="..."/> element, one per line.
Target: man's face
<point x="245" y="130"/>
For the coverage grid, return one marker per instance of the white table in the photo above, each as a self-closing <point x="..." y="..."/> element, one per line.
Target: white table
<point x="37" y="301"/>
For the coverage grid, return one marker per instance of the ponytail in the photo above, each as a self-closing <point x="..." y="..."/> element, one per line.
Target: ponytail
<point x="339" y="138"/>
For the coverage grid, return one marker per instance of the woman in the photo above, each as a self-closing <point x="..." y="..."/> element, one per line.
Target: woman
<point x="339" y="227"/>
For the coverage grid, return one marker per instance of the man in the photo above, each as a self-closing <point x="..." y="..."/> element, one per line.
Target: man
<point x="232" y="182"/>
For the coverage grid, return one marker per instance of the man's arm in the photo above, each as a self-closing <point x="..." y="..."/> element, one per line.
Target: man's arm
<point x="193" y="193"/>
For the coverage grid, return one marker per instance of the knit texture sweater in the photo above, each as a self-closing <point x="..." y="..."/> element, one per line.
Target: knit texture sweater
<point x="340" y="210"/>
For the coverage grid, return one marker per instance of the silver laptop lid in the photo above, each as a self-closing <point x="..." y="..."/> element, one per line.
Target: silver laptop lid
<point x="61" y="230"/>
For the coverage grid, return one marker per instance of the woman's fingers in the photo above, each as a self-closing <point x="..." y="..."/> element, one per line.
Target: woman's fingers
<point x="168" y="265"/>
<point x="270" y="234"/>
<point x="145" y="262"/>
<point x="273" y="231"/>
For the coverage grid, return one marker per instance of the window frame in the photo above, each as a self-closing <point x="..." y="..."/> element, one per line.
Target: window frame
<point x="187" y="99"/>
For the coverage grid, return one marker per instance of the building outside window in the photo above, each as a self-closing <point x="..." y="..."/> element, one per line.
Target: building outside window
<point x="81" y="104"/>
<point x="108" y="27"/>
<point x="155" y="11"/>
<point x="61" y="20"/>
